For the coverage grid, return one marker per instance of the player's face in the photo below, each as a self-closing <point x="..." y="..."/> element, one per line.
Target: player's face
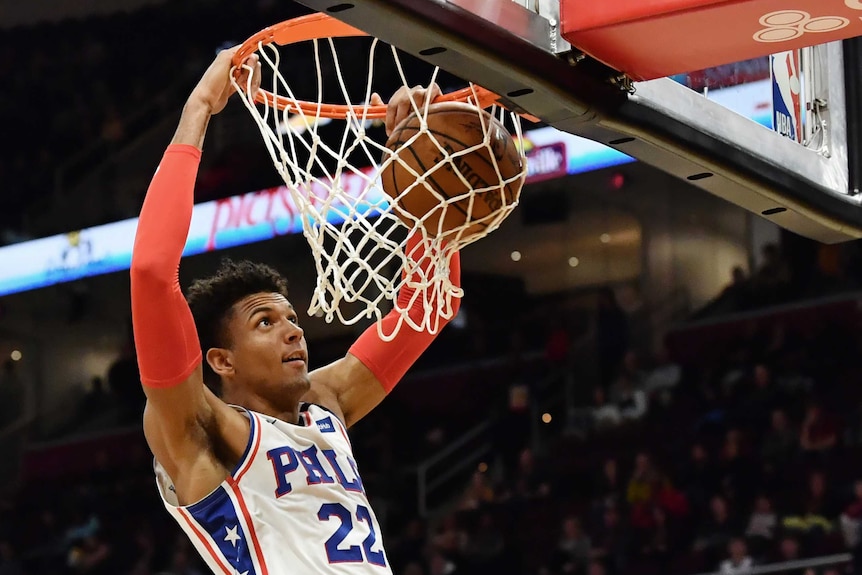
<point x="268" y="349"/>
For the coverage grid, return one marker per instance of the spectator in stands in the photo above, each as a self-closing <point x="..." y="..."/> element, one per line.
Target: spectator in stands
<point x="788" y="549"/>
<point x="820" y="498"/>
<point x="608" y="489"/>
<point x="632" y="402"/>
<point x="90" y="555"/>
<point x="653" y="521"/>
<point x="737" y="277"/>
<point x="643" y="479"/>
<point x="760" y="397"/>
<point x="812" y="520"/>
<point x="738" y="562"/>
<point x="772" y="277"/>
<point x="450" y="539"/>
<point x="663" y="378"/>
<point x="95" y="402"/>
<point x="479" y="492"/>
<point x="670" y="499"/>
<point x="664" y="496"/>
<point x="439" y="564"/>
<point x="819" y="433"/>
<point x="631" y="368"/>
<point x="737" y="295"/>
<point x="604" y="414"/>
<point x="851" y="518"/>
<point x="530" y="479"/>
<point x="716" y="531"/>
<point x="656" y="544"/>
<point x="573" y="548"/>
<point x="780" y="444"/>
<point x="610" y="541"/>
<point x="738" y="473"/>
<point x="851" y="526"/>
<point x="699" y="479"/>
<point x="761" y="525"/>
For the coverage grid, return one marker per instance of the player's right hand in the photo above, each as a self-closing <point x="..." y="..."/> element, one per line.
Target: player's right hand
<point x="214" y="87"/>
<point x="404" y="102"/>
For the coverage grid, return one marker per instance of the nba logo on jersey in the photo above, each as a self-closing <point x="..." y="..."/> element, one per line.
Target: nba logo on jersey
<point x="786" y="95"/>
<point x="325" y="425"/>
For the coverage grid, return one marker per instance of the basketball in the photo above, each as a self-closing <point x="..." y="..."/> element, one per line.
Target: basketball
<point x="444" y="200"/>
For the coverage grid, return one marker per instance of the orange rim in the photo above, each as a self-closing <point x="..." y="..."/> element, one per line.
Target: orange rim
<point x="316" y="26"/>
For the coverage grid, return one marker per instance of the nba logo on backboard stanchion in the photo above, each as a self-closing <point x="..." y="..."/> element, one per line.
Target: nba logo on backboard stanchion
<point x="786" y="95"/>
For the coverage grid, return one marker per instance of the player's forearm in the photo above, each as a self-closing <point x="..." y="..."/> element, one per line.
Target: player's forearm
<point x="193" y="123"/>
<point x="390" y="361"/>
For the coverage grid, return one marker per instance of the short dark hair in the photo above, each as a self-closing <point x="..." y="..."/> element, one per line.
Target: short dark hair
<point x="211" y="299"/>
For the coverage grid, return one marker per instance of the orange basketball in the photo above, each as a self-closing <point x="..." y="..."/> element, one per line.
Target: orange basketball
<point x="456" y="126"/>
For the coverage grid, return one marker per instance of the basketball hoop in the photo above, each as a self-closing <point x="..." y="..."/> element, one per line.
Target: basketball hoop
<point x="357" y="233"/>
<point x="322" y="26"/>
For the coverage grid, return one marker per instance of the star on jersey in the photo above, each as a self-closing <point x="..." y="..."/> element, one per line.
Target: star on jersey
<point x="232" y="535"/>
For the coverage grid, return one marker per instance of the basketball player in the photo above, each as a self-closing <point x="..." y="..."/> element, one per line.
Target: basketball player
<point x="252" y="455"/>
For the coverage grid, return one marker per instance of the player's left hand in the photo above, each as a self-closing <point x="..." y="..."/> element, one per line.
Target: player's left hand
<point x="402" y="103"/>
<point x="214" y="88"/>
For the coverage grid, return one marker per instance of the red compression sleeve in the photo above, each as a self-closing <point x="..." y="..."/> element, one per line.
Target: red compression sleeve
<point x="165" y="335"/>
<point x="389" y="361"/>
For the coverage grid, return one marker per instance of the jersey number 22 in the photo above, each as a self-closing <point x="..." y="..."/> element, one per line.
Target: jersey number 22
<point x="351" y="554"/>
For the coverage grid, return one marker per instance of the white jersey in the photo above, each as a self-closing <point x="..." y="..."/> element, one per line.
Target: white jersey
<point x="294" y="504"/>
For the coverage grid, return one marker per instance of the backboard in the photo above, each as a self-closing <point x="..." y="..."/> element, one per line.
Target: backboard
<point x="803" y="175"/>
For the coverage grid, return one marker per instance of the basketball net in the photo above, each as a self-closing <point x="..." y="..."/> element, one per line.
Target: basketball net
<point x="358" y="235"/>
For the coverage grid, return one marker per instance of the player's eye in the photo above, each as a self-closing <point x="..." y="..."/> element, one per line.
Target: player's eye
<point x="264" y="321"/>
<point x="293" y="319"/>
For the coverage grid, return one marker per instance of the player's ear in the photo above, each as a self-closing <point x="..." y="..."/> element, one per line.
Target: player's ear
<point x="220" y="360"/>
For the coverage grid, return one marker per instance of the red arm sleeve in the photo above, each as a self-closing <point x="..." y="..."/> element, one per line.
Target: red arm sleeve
<point x="166" y="339"/>
<point x="389" y="361"/>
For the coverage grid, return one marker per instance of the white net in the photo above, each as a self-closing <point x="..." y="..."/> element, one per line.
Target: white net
<point x="358" y="234"/>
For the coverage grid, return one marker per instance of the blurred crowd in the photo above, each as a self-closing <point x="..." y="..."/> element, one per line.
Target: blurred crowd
<point x="76" y="91"/>
<point x="797" y="269"/>
<point x="744" y="458"/>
